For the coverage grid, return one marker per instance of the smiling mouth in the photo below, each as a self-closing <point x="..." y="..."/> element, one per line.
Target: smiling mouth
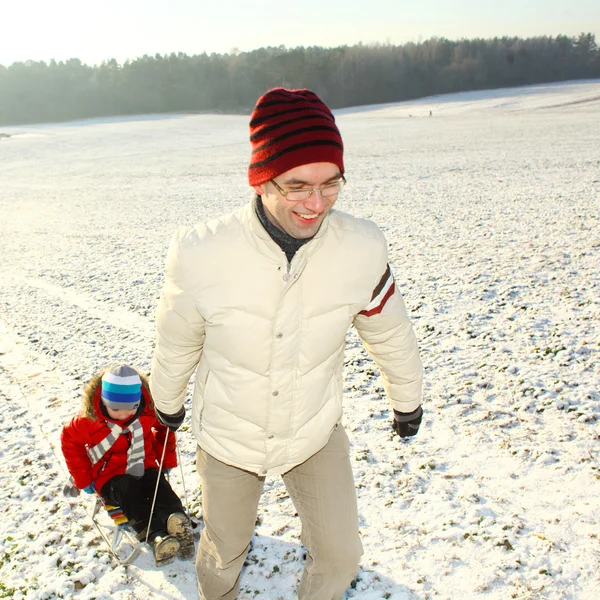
<point x="306" y="217"/>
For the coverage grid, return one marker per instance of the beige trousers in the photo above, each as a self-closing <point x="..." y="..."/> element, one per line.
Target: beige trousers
<point x="323" y="493"/>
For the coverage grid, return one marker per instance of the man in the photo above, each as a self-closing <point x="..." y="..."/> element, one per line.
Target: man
<point x="259" y="303"/>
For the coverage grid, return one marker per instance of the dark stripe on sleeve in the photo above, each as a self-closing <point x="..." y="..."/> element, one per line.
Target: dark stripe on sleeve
<point x="380" y="306"/>
<point x="382" y="282"/>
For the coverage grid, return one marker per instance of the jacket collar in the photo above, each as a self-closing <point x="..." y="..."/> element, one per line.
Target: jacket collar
<point x="265" y="243"/>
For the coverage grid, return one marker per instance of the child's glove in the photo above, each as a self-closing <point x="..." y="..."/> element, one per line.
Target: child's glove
<point x="173" y="422"/>
<point x="407" y="424"/>
<point x="90" y="489"/>
<point x="70" y="490"/>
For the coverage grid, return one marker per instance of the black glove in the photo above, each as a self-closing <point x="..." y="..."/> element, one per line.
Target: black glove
<point x="173" y="422"/>
<point x="407" y="424"/>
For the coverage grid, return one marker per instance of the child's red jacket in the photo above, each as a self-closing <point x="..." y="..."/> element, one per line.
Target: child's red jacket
<point x="89" y="428"/>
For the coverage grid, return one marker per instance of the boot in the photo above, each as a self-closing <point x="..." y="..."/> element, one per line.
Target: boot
<point x="164" y="549"/>
<point x="179" y="525"/>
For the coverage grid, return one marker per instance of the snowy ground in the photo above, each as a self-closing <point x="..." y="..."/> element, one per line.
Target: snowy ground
<point x="491" y="208"/>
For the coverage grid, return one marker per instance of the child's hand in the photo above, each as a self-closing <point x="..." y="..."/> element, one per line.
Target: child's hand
<point x="70" y="490"/>
<point x="90" y="489"/>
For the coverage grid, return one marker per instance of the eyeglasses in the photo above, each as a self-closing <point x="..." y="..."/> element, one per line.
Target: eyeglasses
<point x="329" y="190"/>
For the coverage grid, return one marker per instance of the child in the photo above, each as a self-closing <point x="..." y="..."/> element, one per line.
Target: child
<point x="114" y="447"/>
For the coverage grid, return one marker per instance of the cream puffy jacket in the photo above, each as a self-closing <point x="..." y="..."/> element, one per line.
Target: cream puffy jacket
<point x="267" y="338"/>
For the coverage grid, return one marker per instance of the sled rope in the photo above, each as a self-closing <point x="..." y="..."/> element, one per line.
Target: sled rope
<point x="185" y="500"/>
<point x="162" y="458"/>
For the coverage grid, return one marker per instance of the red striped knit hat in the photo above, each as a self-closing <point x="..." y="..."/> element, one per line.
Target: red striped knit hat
<point x="289" y="128"/>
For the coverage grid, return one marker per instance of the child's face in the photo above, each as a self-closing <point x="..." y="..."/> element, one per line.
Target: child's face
<point x="119" y="414"/>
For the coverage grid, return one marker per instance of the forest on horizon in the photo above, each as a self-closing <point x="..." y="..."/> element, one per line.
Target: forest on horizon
<point x="40" y="92"/>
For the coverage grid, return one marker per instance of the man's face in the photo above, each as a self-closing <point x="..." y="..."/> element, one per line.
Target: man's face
<point x="301" y="220"/>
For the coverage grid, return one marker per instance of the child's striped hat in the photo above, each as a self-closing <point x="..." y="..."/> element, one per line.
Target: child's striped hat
<point x="289" y="128"/>
<point x="121" y="388"/>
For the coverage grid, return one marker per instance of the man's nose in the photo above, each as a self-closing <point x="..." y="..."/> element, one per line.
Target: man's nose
<point x="316" y="202"/>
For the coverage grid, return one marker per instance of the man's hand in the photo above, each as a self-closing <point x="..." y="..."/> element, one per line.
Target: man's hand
<point x="173" y="422"/>
<point x="407" y="424"/>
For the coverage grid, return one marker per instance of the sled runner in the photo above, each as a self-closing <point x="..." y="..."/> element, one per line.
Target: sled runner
<point x="121" y="540"/>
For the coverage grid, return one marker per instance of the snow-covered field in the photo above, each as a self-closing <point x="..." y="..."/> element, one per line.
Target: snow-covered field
<point x="491" y="207"/>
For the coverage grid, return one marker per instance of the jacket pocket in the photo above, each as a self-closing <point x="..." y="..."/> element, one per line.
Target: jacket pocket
<point x="199" y="399"/>
<point x="207" y="386"/>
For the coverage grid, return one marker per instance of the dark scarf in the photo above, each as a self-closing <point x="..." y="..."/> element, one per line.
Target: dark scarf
<point x="290" y="245"/>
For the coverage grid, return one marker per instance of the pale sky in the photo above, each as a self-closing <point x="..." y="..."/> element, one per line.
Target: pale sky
<point x="95" y="31"/>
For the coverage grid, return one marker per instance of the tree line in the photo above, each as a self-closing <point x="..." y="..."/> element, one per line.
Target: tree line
<point x="38" y="92"/>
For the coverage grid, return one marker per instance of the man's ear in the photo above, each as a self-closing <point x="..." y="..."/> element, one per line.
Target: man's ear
<point x="259" y="189"/>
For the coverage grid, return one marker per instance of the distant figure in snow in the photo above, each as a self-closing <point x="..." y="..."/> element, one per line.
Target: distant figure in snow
<point x="430" y="114"/>
<point x="114" y="446"/>
<point x="258" y="302"/>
